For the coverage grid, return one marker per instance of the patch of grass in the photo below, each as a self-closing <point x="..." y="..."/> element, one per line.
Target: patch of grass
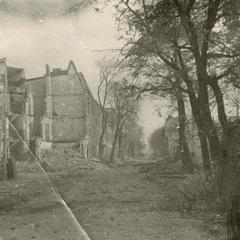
<point x="197" y="195"/>
<point x="13" y="197"/>
<point x="29" y="186"/>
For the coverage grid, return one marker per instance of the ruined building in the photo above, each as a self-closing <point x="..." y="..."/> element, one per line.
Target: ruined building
<point x="55" y="108"/>
<point x="170" y="138"/>
<point x="15" y="112"/>
<point x="65" y="110"/>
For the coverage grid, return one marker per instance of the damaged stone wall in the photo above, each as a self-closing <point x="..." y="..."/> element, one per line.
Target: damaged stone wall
<point x="38" y="90"/>
<point x="68" y="108"/>
<point x="18" y="114"/>
<point x="65" y="110"/>
<point x="15" y="97"/>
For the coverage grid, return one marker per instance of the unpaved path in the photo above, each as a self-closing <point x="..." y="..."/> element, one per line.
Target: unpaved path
<point x="31" y="211"/>
<point x="120" y="204"/>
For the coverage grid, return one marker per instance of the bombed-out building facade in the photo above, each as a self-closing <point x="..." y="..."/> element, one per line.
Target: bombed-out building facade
<point x="56" y="108"/>
<point x="15" y="113"/>
<point x="65" y="110"/>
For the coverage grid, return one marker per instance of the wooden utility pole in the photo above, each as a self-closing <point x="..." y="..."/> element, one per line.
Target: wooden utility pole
<point x="4" y="134"/>
<point x="237" y="110"/>
<point x="5" y="148"/>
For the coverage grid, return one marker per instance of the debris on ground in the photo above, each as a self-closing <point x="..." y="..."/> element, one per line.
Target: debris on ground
<point x="29" y="208"/>
<point x="119" y="203"/>
<point x="190" y="194"/>
<point x="66" y="157"/>
<point x="164" y="168"/>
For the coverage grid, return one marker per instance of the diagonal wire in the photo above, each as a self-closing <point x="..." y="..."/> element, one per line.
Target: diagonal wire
<point x="82" y="233"/>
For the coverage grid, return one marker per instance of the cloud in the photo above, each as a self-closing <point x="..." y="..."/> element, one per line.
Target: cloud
<point x="55" y="40"/>
<point x="38" y="32"/>
<point x="36" y="9"/>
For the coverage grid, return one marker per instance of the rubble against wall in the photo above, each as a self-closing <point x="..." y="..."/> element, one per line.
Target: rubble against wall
<point x="67" y="157"/>
<point x="65" y="110"/>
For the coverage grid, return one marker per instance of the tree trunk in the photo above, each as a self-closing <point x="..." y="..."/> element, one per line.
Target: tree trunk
<point x="201" y="110"/>
<point x="101" y="146"/>
<point x="120" y="155"/>
<point x="233" y="220"/>
<point x="11" y="168"/>
<point x="115" y="139"/>
<point x="237" y="110"/>
<point x="185" y="155"/>
<point x="104" y="127"/>
<point x="230" y="191"/>
<point x="220" y="104"/>
<point x="133" y="151"/>
<point x="229" y="166"/>
<point x="208" y="124"/>
<point x="114" y="144"/>
<point x="205" y="154"/>
<point x="202" y="134"/>
<point x="207" y="130"/>
<point x="202" y="115"/>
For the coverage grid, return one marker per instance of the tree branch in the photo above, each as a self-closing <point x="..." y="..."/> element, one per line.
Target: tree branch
<point x="189" y="29"/>
<point x="135" y="13"/>
<point x="212" y="11"/>
<point x="190" y="6"/>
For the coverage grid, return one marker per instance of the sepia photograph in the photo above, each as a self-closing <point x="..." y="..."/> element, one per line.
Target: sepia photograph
<point x="120" y="120"/>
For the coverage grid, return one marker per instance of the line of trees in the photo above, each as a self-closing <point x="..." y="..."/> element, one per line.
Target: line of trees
<point x="190" y="48"/>
<point x="119" y="111"/>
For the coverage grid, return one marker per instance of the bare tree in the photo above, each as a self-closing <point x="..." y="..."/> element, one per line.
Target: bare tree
<point x="162" y="82"/>
<point x="133" y="144"/>
<point x="186" y="36"/>
<point x="204" y="36"/>
<point x="125" y="111"/>
<point x="127" y="125"/>
<point x="107" y="73"/>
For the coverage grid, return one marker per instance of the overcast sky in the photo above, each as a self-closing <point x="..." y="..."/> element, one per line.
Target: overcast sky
<point x="36" y="32"/>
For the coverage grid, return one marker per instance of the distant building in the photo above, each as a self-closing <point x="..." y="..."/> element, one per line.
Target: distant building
<point x="65" y="110"/>
<point x="171" y="137"/>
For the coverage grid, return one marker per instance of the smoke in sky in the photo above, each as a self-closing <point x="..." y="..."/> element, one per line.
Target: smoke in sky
<point x="36" y="9"/>
<point x="38" y="32"/>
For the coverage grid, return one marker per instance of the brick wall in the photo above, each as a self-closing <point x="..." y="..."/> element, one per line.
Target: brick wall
<point x="65" y="110"/>
<point x="68" y="108"/>
<point x="38" y="91"/>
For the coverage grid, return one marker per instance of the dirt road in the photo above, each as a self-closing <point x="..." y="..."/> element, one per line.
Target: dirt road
<point x="120" y="204"/>
<point x="31" y="210"/>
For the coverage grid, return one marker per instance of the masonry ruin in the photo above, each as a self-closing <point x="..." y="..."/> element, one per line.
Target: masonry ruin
<point x="56" y="108"/>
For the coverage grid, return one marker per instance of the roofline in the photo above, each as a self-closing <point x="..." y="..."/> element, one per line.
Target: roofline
<point x="15" y="68"/>
<point x="33" y="79"/>
<point x="42" y="77"/>
<point x="82" y="78"/>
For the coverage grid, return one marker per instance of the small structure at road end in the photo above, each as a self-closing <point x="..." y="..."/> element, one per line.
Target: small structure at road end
<point x="170" y="138"/>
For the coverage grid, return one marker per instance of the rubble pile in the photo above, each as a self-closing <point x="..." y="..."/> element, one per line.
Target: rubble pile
<point x="67" y="157"/>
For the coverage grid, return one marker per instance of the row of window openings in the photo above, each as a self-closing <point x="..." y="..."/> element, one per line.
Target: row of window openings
<point x="91" y="151"/>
